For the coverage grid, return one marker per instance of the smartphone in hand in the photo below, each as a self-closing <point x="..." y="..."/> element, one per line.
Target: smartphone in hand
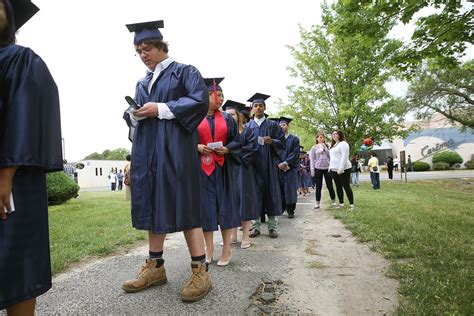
<point x="132" y="104"/>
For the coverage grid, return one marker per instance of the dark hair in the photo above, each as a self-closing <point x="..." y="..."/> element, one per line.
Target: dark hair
<point x="341" y="137"/>
<point x="128" y="157"/>
<point x="373" y="154"/>
<point x="160" y="44"/>
<point x="7" y="35"/>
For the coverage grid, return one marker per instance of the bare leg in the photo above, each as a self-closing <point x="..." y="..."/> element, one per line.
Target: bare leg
<point x="209" y="239"/>
<point x="233" y="236"/>
<point x="195" y="240"/>
<point x="226" y="252"/>
<point x="25" y="308"/>
<point x="156" y="241"/>
<point x="246" y="230"/>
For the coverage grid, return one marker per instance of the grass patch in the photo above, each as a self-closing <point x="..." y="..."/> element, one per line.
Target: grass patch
<point x="426" y="228"/>
<point x="95" y="224"/>
<point x="317" y="265"/>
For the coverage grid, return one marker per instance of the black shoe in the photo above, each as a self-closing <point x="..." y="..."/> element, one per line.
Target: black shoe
<point x="254" y="233"/>
<point x="273" y="233"/>
<point x="291" y="215"/>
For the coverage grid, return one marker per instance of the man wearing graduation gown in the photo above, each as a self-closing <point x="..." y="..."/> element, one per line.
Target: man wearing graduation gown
<point x="271" y="141"/>
<point x="289" y="168"/>
<point x="30" y="146"/>
<point x="165" y="165"/>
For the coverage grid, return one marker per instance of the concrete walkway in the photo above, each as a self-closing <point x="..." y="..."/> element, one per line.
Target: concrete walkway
<point x="322" y="269"/>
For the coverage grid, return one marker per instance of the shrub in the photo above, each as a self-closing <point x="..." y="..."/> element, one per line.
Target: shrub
<point x="441" y="165"/>
<point x="448" y="156"/>
<point x="469" y="164"/>
<point x="421" y="166"/>
<point x="61" y="188"/>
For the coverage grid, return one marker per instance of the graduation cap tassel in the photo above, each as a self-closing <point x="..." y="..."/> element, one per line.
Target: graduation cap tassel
<point x="215" y="91"/>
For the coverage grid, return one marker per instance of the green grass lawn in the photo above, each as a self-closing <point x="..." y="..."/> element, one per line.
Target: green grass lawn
<point x="95" y="224"/>
<point x="426" y="228"/>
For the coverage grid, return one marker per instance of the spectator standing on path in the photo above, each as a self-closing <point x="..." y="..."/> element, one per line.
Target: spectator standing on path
<point x="120" y="177"/>
<point x="319" y="162"/>
<point x="112" y="179"/>
<point x="126" y="178"/>
<point x="165" y="173"/>
<point x="220" y="199"/>
<point x="355" y="170"/>
<point x="396" y="162"/>
<point x="305" y="173"/>
<point x="271" y="144"/>
<point x="340" y="167"/>
<point x="374" y="169"/>
<point x="30" y="147"/>
<point x="289" y="168"/>
<point x="390" y="167"/>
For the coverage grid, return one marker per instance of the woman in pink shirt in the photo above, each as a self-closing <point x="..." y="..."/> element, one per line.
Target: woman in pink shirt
<point x="319" y="159"/>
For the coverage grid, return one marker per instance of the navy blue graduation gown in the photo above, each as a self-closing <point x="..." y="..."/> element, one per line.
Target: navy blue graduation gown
<point x="220" y="199"/>
<point x="249" y="181"/>
<point x="267" y="165"/>
<point x="30" y="138"/>
<point x="290" y="178"/>
<point x="165" y="165"/>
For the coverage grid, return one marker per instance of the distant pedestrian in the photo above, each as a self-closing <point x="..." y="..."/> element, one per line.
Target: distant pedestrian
<point x="390" y="167"/>
<point x="120" y="177"/>
<point x="374" y="169"/>
<point x="355" y="170"/>
<point x="112" y="179"/>
<point x="126" y="178"/>
<point x="396" y="162"/>
<point x="409" y="164"/>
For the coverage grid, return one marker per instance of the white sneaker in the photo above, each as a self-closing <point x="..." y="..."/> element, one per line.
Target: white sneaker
<point x="334" y="205"/>
<point x="341" y="205"/>
<point x="351" y="207"/>
<point x="316" y="207"/>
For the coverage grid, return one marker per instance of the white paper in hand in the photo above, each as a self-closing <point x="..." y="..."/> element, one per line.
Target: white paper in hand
<point x="260" y="140"/>
<point x="215" y="145"/>
<point x="12" y="205"/>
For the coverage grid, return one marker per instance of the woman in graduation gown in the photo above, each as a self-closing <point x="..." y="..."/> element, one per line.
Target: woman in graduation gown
<point x="249" y="184"/>
<point x="219" y="196"/>
<point x="30" y="146"/>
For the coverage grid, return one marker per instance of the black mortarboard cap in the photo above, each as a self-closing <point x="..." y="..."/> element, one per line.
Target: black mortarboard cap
<point x="258" y="98"/>
<point x="246" y="111"/>
<point x="273" y="119"/>
<point x="210" y="82"/>
<point x="286" y="120"/>
<point x="146" y="31"/>
<point x="23" y="10"/>
<point x="229" y="104"/>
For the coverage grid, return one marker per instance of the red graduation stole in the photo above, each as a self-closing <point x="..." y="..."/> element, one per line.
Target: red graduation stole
<point x="205" y="137"/>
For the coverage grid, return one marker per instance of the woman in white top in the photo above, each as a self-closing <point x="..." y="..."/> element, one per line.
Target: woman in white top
<point x="340" y="167"/>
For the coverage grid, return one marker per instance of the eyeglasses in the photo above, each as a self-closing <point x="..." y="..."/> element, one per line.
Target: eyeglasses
<point x="146" y="50"/>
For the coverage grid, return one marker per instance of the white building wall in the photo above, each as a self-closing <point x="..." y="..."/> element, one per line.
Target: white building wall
<point x="95" y="172"/>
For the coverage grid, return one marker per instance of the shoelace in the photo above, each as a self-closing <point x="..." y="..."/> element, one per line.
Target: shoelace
<point x="143" y="271"/>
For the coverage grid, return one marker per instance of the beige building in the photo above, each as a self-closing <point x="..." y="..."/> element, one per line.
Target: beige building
<point x="95" y="173"/>
<point x="435" y="135"/>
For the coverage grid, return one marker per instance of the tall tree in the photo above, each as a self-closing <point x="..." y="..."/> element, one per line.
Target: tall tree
<point x="343" y="66"/>
<point x="442" y="36"/>
<point x="449" y="91"/>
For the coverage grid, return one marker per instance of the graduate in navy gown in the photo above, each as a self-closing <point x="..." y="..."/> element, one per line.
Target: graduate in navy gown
<point x="249" y="183"/>
<point x="165" y="176"/>
<point x="30" y="146"/>
<point x="271" y="145"/>
<point x="218" y="139"/>
<point x="289" y="168"/>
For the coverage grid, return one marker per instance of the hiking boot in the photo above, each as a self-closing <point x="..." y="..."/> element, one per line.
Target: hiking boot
<point x="254" y="233"/>
<point x="273" y="233"/>
<point x="151" y="273"/>
<point x="198" y="285"/>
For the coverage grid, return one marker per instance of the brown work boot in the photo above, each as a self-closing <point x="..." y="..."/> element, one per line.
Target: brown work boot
<point x="199" y="284"/>
<point x="151" y="273"/>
